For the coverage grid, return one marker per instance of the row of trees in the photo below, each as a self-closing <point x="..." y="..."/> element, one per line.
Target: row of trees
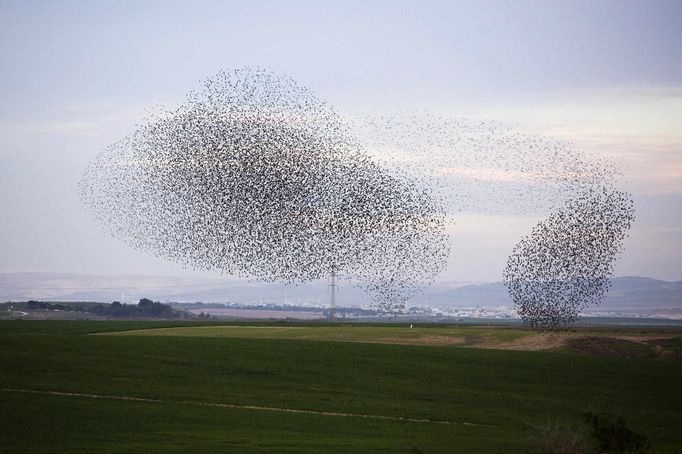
<point x="41" y="305"/>
<point x="145" y="308"/>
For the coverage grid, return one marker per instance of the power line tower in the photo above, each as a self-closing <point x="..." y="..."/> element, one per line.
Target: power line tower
<point x="332" y="286"/>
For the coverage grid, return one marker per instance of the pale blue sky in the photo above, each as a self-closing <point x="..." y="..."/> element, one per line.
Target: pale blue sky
<point x="62" y="52"/>
<point x="75" y="76"/>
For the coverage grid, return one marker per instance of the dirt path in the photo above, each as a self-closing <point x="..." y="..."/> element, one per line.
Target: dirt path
<point x="20" y="313"/>
<point x="421" y="340"/>
<point x="244" y="407"/>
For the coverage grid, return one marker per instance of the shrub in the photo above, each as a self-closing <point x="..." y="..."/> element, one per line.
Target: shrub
<point x="558" y="438"/>
<point x="612" y="434"/>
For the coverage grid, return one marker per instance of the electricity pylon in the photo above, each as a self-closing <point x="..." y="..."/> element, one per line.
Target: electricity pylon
<point x="332" y="308"/>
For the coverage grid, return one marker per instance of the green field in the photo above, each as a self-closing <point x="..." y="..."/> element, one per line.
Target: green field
<point x="427" y="335"/>
<point x="362" y="388"/>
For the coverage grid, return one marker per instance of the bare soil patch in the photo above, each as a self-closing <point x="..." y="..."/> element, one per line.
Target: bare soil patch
<point x="596" y="345"/>
<point x="626" y="346"/>
<point x="533" y="343"/>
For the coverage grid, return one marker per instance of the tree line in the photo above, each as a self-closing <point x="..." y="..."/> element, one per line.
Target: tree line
<point x="145" y="308"/>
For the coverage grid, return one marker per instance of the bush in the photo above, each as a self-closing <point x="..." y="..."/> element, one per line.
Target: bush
<point x="612" y="434"/>
<point x="601" y="433"/>
<point x="557" y="438"/>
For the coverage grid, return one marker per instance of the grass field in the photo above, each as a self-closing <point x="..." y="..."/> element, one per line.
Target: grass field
<point x="429" y="335"/>
<point x="205" y="387"/>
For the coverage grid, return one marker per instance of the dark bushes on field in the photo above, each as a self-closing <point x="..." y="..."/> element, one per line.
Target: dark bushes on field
<point x="613" y="435"/>
<point x="601" y="433"/>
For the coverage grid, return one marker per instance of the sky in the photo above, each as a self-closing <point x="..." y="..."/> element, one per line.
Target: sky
<point x="77" y="76"/>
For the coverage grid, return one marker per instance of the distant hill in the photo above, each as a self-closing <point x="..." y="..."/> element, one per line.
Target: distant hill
<point x="630" y="294"/>
<point x="626" y="294"/>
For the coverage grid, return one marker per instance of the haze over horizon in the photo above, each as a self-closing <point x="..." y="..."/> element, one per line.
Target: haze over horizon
<point x="629" y="296"/>
<point x="76" y="77"/>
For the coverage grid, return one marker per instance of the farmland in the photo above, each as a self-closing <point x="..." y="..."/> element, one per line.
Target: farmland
<point x="193" y="386"/>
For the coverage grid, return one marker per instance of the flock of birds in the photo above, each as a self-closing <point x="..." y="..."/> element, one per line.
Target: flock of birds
<point x="566" y="263"/>
<point x="255" y="176"/>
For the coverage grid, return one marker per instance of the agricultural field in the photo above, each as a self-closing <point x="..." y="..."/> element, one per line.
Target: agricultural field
<point x="111" y="386"/>
<point x="643" y="341"/>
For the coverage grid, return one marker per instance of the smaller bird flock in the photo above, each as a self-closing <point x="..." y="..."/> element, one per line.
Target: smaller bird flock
<point x="566" y="262"/>
<point x="255" y="176"/>
<point x="481" y="166"/>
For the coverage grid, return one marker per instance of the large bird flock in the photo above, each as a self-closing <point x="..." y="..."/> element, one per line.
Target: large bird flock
<point x="255" y="176"/>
